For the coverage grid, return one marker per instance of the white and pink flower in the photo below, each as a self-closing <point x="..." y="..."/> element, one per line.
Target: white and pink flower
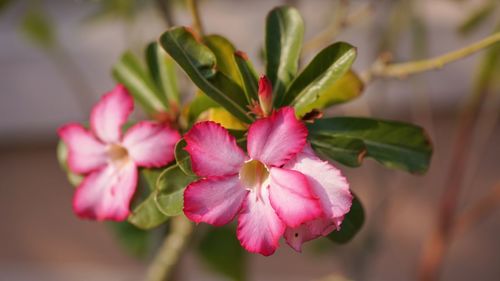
<point x="109" y="160"/>
<point x="281" y="188"/>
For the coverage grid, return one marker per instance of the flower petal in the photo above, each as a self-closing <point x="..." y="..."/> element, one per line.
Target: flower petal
<point x="214" y="200"/>
<point x="259" y="227"/>
<point x="110" y="113"/>
<point x="213" y="150"/>
<point x="85" y="152"/>
<point x="151" y="144"/>
<point x="326" y="181"/>
<point x="276" y="139"/>
<point x="291" y="196"/>
<point x="105" y="194"/>
<point x="295" y="237"/>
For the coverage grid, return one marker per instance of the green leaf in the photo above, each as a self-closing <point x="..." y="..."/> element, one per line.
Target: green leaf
<point x="348" y="87"/>
<point x="129" y="72"/>
<point x="147" y="215"/>
<point x="327" y="67"/>
<point x="284" y="34"/>
<point x="149" y="177"/>
<point x="170" y="190"/>
<point x="199" y="63"/>
<point x="38" y="28"/>
<point x="394" y="144"/>
<point x="478" y="17"/>
<point x="248" y="76"/>
<point x="183" y="159"/>
<point x="223" y="51"/>
<point x="162" y="69"/>
<point x="199" y="104"/>
<point x="62" y="158"/>
<point x="222" y="252"/>
<point x="347" y="151"/>
<point x="352" y="223"/>
<point x="134" y="240"/>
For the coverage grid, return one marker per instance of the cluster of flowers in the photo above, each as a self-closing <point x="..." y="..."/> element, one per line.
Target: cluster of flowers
<point x="277" y="188"/>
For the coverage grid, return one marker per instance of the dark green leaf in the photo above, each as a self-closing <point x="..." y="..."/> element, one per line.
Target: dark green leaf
<point x="351" y="224"/>
<point x="149" y="177"/>
<point x="183" y="159"/>
<point x="223" y="51"/>
<point x="162" y="69"/>
<point x="284" y="34"/>
<point x="135" y="240"/>
<point x="147" y="215"/>
<point x="170" y="189"/>
<point x="320" y="75"/>
<point x="129" y="72"/>
<point x="222" y="252"/>
<point x="393" y="144"/>
<point x="199" y="63"/>
<point x="347" y="151"/>
<point x="248" y="76"/>
<point x="348" y="87"/>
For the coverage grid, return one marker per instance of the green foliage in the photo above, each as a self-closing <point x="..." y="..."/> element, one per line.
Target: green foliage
<point x="223" y="51"/>
<point x="346" y="88"/>
<point x="320" y="75"/>
<point x="162" y="68"/>
<point x="170" y="190"/>
<point x="147" y="215"/>
<point x="248" y="76"/>
<point x="351" y="225"/>
<point x="183" y="159"/>
<point x="129" y="72"/>
<point x="284" y="34"/>
<point x="200" y="64"/>
<point x="38" y="28"/>
<point x="394" y="144"/>
<point x="222" y="252"/>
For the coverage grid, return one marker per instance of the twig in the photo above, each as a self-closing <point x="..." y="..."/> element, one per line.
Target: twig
<point x="382" y="69"/>
<point x="480" y="210"/>
<point x="197" y="24"/>
<point x="342" y="21"/>
<point x="164" y="7"/>
<point x="170" y="252"/>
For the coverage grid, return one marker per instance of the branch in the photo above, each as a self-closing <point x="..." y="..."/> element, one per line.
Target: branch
<point x="171" y="250"/>
<point x="480" y="210"/>
<point x="342" y="22"/>
<point x="381" y="68"/>
<point x="195" y="13"/>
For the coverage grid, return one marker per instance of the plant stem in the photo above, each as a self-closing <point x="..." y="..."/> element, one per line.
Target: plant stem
<point x="478" y="211"/>
<point x="195" y="13"/>
<point x="165" y="10"/>
<point x="435" y="247"/>
<point x="401" y="70"/>
<point x="168" y="255"/>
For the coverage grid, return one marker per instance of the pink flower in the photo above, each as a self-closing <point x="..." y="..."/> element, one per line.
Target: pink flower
<point x="110" y="160"/>
<point x="280" y="188"/>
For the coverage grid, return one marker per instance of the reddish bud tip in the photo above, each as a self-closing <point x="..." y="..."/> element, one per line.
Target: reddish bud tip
<point x="265" y="95"/>
<point x="241" y="54"/>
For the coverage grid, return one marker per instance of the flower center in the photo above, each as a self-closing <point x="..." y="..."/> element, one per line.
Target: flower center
<point x="253" y="174"/>
<point x="117" y="153"/>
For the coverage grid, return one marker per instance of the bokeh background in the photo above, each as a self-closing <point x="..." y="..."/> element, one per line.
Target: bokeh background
<point x="43" y="85"/>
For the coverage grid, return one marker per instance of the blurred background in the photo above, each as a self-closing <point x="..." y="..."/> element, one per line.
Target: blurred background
<point x="55" y="61"/>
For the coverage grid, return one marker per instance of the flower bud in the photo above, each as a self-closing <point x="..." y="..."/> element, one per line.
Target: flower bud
<point x="265" y="95"/>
